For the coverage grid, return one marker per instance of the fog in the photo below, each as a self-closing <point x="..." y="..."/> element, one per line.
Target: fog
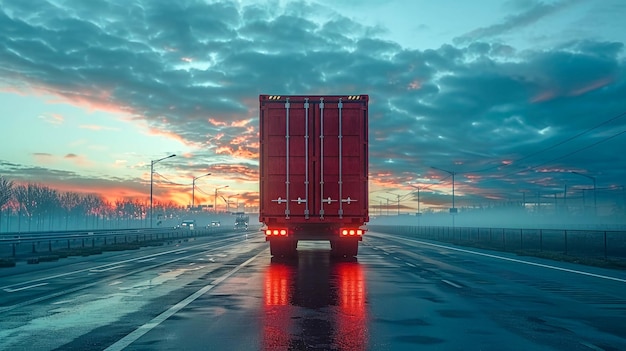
<point x="505" y="218"/>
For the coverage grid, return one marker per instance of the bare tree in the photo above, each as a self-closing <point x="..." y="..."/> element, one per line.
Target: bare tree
<point x="23" y="196"/>
<point x="49" y="206"/>
<point x="45" y="205"/>
<point x="69" y="201"/>
<point x="92" y="206"/>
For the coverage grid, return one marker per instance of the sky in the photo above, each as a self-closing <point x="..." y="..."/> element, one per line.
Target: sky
<point x="511" y="97"/>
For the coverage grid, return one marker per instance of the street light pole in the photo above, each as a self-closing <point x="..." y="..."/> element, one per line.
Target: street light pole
<point x="453" y="209"/>
<point x="228" y="202"/>
<point x="595" y="203"/>
<point x="152" y="163"/>
<point x="193" y="189"/>
<point x="215" y="199"/>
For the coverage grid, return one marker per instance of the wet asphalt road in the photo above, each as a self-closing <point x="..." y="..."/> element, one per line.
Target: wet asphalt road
<point x="228" y="294"/>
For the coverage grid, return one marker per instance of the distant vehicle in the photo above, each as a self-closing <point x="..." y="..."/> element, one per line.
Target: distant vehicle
<point x="241" y="222"/>
<point x="215" y="224"/>
<point x="189" y="224"/>
<point x="313" y="165"/>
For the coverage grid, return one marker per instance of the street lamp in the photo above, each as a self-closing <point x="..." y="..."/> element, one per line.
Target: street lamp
<point x="215" y="199"/>
<point x="384" y="198"/>
<point x="193" y="189"/>
<point x="595" y="203"/>
<point x="228" y="202"/>
<point x="152" y="163"/>
<point x="453" y="209"/>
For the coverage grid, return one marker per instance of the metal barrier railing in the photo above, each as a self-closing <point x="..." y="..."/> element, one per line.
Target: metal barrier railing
<point x="15" y="244"/>
<point x="597" y="244"/>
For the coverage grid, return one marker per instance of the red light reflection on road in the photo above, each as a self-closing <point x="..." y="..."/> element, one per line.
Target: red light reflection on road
<point x="277" y="280"/>
<point x="277" y="314"/>
<point x="351" y="322"/>
<point x="331" y="296"/>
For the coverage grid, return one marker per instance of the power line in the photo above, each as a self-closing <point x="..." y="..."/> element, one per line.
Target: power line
<point x="557" y="144"/>
<point x="167" y="180"/>
<point x="426" y="187"/>
<point x="204" y="192"/>
<point x="579" y="150"/>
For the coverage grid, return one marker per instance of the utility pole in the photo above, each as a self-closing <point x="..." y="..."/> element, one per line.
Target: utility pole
<point x="152" y="163"/>
<point x="384" y="198"/>
<point x="418" y="198"/>
<point x="398" y="201"/>
<point x="453" y="209"/>
<point x="595" y="203"/>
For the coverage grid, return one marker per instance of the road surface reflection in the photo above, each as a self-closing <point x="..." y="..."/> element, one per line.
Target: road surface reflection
<point x="314" y="303"/>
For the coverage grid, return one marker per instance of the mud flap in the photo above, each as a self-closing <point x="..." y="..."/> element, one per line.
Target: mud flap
<point x="283" y="248"/>
<point x="344" y="248"/>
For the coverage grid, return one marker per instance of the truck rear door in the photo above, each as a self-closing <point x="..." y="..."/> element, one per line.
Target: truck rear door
<point x="314" y="156"/>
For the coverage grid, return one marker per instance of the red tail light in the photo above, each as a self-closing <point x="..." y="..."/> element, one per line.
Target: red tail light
<point x="351" y="232"/>
<point x="276" y="232"/>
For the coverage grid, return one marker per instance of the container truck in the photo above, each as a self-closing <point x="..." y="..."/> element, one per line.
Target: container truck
<point x="313" y="165"/>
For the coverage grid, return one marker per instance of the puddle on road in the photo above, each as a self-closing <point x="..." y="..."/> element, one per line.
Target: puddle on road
<point x="160" y="279"/>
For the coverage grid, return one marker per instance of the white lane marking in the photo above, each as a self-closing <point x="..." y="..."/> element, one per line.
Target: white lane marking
<point x="410" y="264"/>
<point x="147" y="260"/>
<point x="108" y="268"/>
<point x="117" y="282"/>
<point x="396" y="258"/>
<point x="451" y="284"/>
<point x="25" y="287"/>
<point x="180" y="252"/>
<point x="142" y="330"/>
<point x="518" y="261"/>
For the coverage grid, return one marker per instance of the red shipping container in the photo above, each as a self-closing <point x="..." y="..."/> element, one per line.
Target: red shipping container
<point x="314" y="170"/>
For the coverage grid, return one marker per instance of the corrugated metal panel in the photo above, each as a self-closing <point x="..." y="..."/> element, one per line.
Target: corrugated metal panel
<point x="314" y="158"/>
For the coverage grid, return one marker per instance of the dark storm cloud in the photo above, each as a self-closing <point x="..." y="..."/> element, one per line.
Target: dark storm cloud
<point x="473" y="107"/>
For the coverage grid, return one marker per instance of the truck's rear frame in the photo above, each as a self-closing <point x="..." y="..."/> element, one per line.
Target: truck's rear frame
<point x="314" y="171"/>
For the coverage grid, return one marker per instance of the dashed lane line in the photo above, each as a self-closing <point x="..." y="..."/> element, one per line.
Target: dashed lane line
<point x="108" y="268"/>
<point x="24" y="288"/>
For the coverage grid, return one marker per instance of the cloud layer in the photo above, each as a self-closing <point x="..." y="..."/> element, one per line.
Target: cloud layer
<point x="505" y="120"/>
